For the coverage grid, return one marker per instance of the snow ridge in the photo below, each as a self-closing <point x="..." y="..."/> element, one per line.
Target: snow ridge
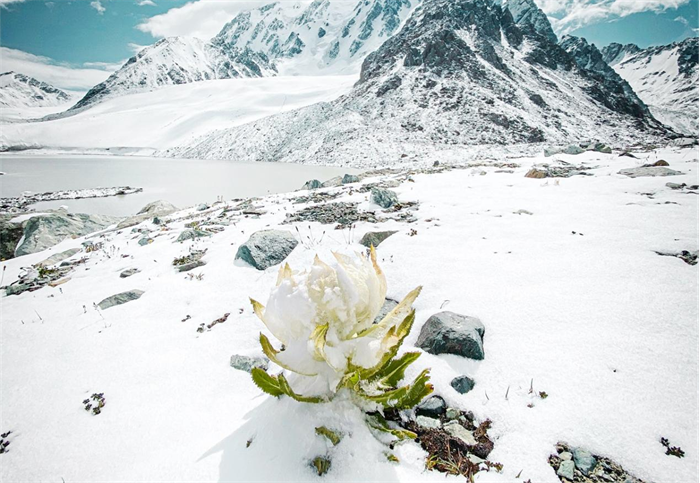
<point x="18" y="91"/>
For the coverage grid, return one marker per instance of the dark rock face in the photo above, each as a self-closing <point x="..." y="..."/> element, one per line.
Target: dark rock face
<point x="614" y="52"/>
<point x="10" y="235"/>
<point x="267" y="248"/>
<point x="450" y="333"/>
<point x="609" y="89"/>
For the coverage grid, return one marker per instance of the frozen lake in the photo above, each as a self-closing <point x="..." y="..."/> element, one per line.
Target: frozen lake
<point x="182" y="182"/>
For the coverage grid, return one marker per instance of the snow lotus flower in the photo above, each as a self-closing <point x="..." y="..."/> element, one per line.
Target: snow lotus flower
<point x="324" y="319"/>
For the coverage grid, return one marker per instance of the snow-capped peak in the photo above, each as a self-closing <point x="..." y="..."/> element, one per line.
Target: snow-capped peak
<point x="19" y="91"/>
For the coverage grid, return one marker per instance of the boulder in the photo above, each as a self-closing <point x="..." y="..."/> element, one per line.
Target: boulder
<point x="536" y="173"/>
<point x="573" y="149"/>
<point x="388" y="306"/>
<point x="120" y="298"/>
<point x="46" y="230"/>
<point x="267" y="248"/>
<point x="383" y="197"/>
<point x="192" y="234"/>
<point x="10" y="235"/>
<point x="156" y="209"/>
<point x="59" y="257"/>
<point x="333" y="182"/>
<point x="649" y="171"/>
<point x="374" y="238"/>
<point x="247" y="363"/>
<point x="566" y="470"/>
<point x="350" y="178"/>
<point x="462" y="384"/>
<point x="312" y="184"/>
<point x="433" y="407"/>
<point x="584" y="460"/>
<point x="450" y="333"/>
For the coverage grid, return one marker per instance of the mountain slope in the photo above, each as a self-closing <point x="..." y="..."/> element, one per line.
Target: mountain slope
<point x="177" y="60"/>
<point x="665" y="77"/>
<point x="18" y="91"/>
<point x="459" y="73"/>
<point x="325" y="35"/>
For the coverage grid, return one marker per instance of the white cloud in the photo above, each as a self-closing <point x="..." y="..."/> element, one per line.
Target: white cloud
<point x="97" y="5"/>
<point x="569" y="15"/>
<point x="200" y="18"/>
<point x="7" y="2"/>
<point x="57" y="74"/>
<point x="147" y="2"/>
<point x="682" y="20"/>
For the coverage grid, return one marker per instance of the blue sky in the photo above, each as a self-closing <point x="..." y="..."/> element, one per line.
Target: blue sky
<point x="97" y="35"/>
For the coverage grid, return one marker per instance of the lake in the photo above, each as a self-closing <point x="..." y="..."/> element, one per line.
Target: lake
<point x="182" y="182"/>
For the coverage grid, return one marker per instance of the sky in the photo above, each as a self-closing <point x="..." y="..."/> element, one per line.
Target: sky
<point x="75" y="44"/>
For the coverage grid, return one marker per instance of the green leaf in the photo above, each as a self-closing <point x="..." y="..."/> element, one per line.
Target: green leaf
<point x="417" y="391"/>
<point x="332" y="436"/>
<point x="266" y="382"/>
<point x="271" y="354"/>
<point x="392" y="373"/>
<point x="286" y="389"/>
<point x="391" y="457"/>
<point x="377" y="421"/>
<point x="397" y="314"/>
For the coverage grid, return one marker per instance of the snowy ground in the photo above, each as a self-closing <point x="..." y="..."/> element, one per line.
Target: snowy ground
<point x="174" y="114"/>
<point x="573" y="297"/>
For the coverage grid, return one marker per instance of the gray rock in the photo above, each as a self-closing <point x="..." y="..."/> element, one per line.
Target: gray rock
<point x="427" y="422"/>
<point x="17" y="289"/>
<point x="59" y="257"/>
<point x="458" y="431"/>
<point x="462" y="384"/>
<point x="387" y="307"/>
<point x="44" y="231"/>
<point x="247" y="363"/>
<point x="383" y="197"/>
<point x="565" y="456"/>
<point x="350" y="178"/>
<point x="649" y="171"/>
<point x="333" y="182"/>
<point x="202" y="207"/>
<point x="267" y="248"/>
<point x="450" y="333"/>
<point x="120" y="298"/>
<point x="375" y="238"/>
<point x="10" y="236"/>
<point x="566" y="470"/>
<point x="584" y="460"/>
<point x="191" y="265"/>
<point x="192" y="234"/>
<point x="145" y="241"/>
<point x="313" y="184"/>
<point x="573" y="149"/>
<point x="433" y="407"/>
<point x="452" y="413"/>
<point x="675" y="186"/>
<point x="128" y="273"/>
<point x="548" y="152"/>
<point x="156" y="209"/>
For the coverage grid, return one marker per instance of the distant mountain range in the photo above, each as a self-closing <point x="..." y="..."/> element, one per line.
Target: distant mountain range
<point x="664" y="77"/>
<point x="431" y="73"/>
<point x="18" y="91"/>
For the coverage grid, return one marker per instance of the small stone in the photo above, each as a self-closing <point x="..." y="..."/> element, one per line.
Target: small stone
<point x="573" y="149"/>
<point x="660" y="162"/>
<point x="313" y="184"/>
<point x="649" y="171"/>
<point x="120" y="298"/>
<point x="145" y="241"/>
<point x="475" y="460"/>
<point x="59" y="257"/>
<point x="584" y="460"/>
<point x="522" y="212"/>
<point x="129" y="272"/>
<point x="375" y="238"/>
<point x="202" y="207"/>
<point x="566" y="456"/>
<point x="566" y="470"/>
<point x="383" y="197"/>
<point x="463" y="384"/>
<point x="675" y="186"/>
<point x="350" y="178"/>
<point x="458" y="431"/>
<point x="452" y="413"/>
<point x="433" y="407"/>
<point x="247" y="363"/>
<point x="17" y="289"/>
<point x="191" y="265"/>
<point x="427" y="422"/>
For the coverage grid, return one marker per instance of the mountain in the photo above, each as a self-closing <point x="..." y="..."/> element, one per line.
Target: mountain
<point x="664" y="77"/>
<point x="19" y="91"/>
<point x="458" y="73"/>
<point x="177" y="60"/>
<point x="326" y="35"/>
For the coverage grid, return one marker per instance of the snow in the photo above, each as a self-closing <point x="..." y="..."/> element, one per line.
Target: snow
<point x="25" y="217"/>
<point x="573" y="298"/>
<point x="176" y="114"/>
